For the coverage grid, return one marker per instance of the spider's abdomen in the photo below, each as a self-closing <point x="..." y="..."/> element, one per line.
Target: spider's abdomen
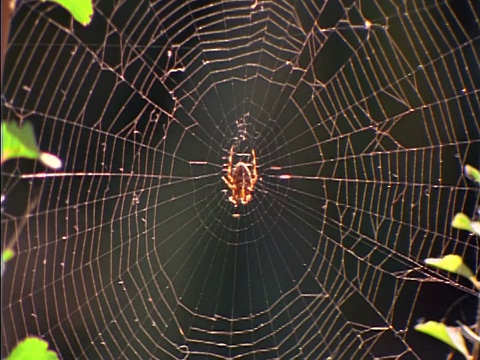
<point x="242" y="176"/>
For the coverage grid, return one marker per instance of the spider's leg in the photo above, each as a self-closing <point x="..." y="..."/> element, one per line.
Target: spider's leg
<point x="247" y="199"/>
<point x="232" y="200"/>
<point x="230" y="161"/>
<point x="254" y="170"/>
<point x="229" y="181"/>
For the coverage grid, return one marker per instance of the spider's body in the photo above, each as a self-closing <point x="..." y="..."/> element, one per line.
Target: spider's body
<point x="240" y="179"/>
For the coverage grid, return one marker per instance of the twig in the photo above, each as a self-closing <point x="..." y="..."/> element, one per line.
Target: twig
<point x="7" y="9"/>
<point x="476" y="347"/>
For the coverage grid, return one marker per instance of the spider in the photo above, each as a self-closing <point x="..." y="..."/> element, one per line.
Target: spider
<point x="241" y="180"/>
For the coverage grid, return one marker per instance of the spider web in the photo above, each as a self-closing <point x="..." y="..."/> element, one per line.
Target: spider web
<point x="362" y="115"/>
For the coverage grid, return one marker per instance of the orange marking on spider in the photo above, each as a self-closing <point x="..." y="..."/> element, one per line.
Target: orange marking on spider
<point x="240" y="179"/>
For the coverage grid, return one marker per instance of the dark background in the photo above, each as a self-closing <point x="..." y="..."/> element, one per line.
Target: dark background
<point x="134" y="252"/>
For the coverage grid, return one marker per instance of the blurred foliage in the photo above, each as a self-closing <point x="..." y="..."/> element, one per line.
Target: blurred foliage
<point x="81" y="10"/>
<point x="32" y="348"/>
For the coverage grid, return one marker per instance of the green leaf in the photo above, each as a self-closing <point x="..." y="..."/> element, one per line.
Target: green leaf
<point x="32" y="348"/>
<point x="462" y="222"/>
<point x="451" y="263"/>
<point x="454" y="264"/>
<point x="7" y="255"/>
<point x="81" y="10"/>
<point x="20" y="142"/>
<point x="451" y="336"/>
<point x="472" y="173"/>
